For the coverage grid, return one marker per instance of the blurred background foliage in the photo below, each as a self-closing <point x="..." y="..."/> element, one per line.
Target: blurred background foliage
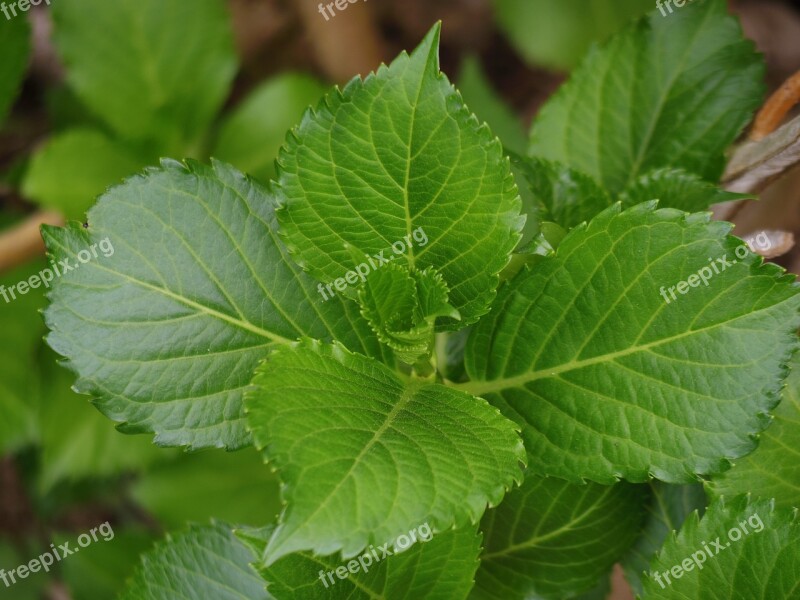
<point x="93" y="91"/>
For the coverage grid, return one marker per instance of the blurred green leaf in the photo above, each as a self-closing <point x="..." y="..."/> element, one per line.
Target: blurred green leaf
<point x="76" y="439"/>
<point x="74" y="168"/>
<point x="486" y="103"/>
<point x="676" y="188"/>
<point x="236" y="487"/>
<point x="100" y="570"/>
<point x="156" y="70"/>
<point x="557" y="34"/>
<point x="251" y="136"/>
<point x="30" y="588"/>
<point x="22" y="329"/>
<point x="14" y="50"/>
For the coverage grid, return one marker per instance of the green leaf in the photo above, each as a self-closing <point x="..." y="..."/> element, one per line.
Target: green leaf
<point x="100" y="570"/>
<point x="153" y="71"/>
<point x="198" y="487"/>
<point x="166" y="329"/>
<point x="365" y="456"/>
<point x="553" y="539"/>
<point x="569" y="196"/>
<point x="402" y="307"/>
<point x="772" y="471"/>
<point x="556" y="34"/>
<point x="396" y="154"/>
<point x="14" y="48"/>
<point x="671" y="92"/>
<point x="486" y="103"/>
<point x="202" y="562"/>
<point x="609" y="380"/>
<point x="74" y="168"/>
<point x="675" y="188"/>
<point x="746" y="549"/>
<point x="667" y="509"/>
<point x="441" y="568"/>
<point x="251" y="136"/>
<point x="76" y="441"/>
<point x="22" y="329"/>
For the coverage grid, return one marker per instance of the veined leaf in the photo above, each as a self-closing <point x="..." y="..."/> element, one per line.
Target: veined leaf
<point x="402" y="307"/>
<point x="153" y="70"/>
<point x="671" y="92"/>
<point x="166" y="326"/>
<point x="676" y="188"/>
<point x="203" y="562"/>
<point x="441" y="568"/>
<point x="773" y="470"/>
<point x="14" y="48"/>
<point x="668" y="508"/>
<point x="746" y="550"/>
<point x="569" y="196"/>
<point x="393" y="154"/>
<point x="366" y="456"/>
<point x="612" y="374"/>
<point x="553" y="539"/>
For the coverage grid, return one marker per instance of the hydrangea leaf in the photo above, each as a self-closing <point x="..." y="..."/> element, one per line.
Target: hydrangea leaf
<point x="569" y="196"/>
<point x="152" y="71"/>
<point x="402" y="308"/>
<point x="202" y="562"/>
<point x="773" y="470"/>
<point x="676" y="188"/>
<point x="612" y="375"/>
<point x="388" y="155"/>
<point x="746" y="549"/>
<point x="166" y="329"/>
<point x="554" y="539"/>
<point x="441" y="568"/>
<point x="669" y="92"/>
<point x="14" y="48"/>
<point x="366" y="456"/>
<point x="668" y="507"/>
